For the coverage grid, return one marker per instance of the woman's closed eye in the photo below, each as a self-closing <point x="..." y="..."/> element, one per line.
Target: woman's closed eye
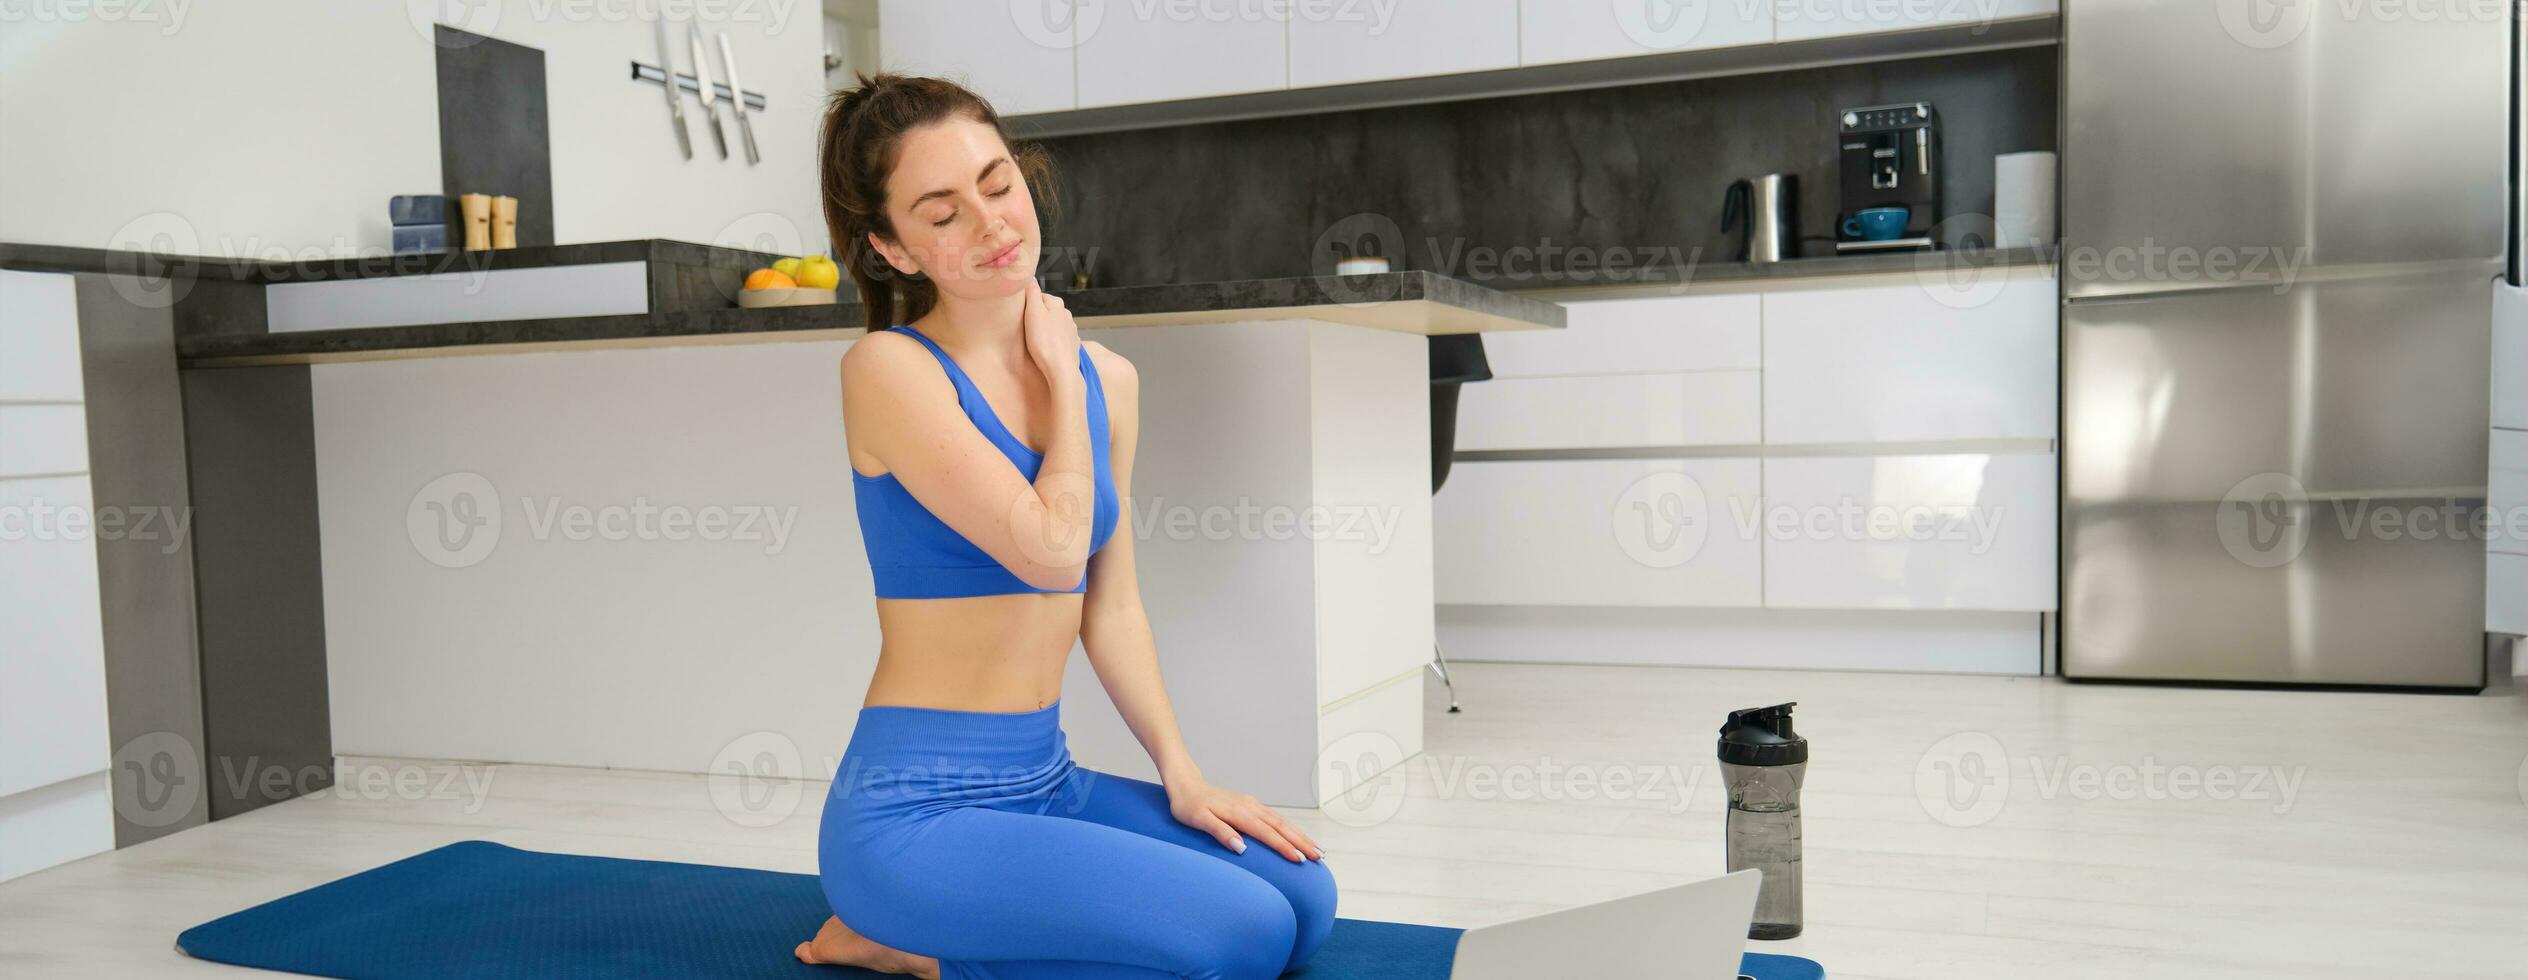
<point x="952" y="212"/>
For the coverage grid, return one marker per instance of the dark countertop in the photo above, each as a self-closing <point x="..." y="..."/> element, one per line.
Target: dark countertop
<point x="68" y="258"/>
<point x="1410" y="302"/>
<point x="1715" y="276"/>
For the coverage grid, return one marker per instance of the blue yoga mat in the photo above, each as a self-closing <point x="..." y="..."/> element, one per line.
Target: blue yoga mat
<point x="493" y="912"/>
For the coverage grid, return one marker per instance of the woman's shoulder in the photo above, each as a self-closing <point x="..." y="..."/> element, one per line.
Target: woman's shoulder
<point x="882" y="355"/>
<point x="1112" y="368"/>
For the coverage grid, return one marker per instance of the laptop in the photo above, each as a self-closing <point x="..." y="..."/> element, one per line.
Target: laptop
<point x="1693" y="931"/>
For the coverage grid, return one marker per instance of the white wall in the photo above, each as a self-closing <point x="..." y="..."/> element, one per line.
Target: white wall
<point x="279" y="128"/>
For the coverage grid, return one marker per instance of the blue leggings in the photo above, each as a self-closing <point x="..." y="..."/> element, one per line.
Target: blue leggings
<point x="972" y="837"/>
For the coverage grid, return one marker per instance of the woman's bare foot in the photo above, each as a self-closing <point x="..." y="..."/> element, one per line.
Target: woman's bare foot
<point x="836" y="944"/>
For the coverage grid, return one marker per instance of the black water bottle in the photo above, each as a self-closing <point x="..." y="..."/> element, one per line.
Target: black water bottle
<point x="1762" y="761"/>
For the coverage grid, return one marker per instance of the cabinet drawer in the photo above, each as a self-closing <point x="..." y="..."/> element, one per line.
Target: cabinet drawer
<point x="1637" y="336"/>
<point x="39" y="337"/>
<point x="1143" y="52"/>
<point x="1896" y="363"/>
<point x="1703" y="408"/>
<point x="52" y="680"/>
<point x="1403" y="39"/>
<point x="2506" y="593"/>
<point x="1801" y="20"/>
<point x="1587" y="30"/>
<point x="43" y="439"/>
<point x="1597" y="532"/>
<point x="2510" y="357"/>
<point x="1952" y="531"/>
<point x="2506" y="493"/>
<point x="1019" y="67"/>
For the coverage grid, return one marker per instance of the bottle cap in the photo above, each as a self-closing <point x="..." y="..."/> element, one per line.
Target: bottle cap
<point x="1762" y="737"/>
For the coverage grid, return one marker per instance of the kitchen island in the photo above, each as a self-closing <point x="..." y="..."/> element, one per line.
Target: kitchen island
<point x="617" y="537"/>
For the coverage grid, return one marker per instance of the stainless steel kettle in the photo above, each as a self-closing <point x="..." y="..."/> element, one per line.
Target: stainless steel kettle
<point x="1766" y="212"/>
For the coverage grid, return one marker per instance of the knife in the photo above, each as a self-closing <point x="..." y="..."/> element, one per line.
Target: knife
<point x="702" y="81"/>
<point x="675" y="99"/>
<point x="737" y="96"/>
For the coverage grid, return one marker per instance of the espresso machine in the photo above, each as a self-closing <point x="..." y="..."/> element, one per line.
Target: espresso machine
<point x="1890" y="178"/>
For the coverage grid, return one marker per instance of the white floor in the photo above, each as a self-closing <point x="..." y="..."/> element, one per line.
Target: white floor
<point x="2140" y="832"/>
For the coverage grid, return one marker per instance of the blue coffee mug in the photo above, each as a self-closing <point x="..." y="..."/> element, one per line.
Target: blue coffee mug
<point x="1877" y="224"/>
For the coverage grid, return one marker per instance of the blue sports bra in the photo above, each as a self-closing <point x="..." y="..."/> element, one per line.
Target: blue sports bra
<point x="915" y="555"/>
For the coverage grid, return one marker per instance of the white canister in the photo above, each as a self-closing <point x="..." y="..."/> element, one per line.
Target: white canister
<point x="2023" y="199"/>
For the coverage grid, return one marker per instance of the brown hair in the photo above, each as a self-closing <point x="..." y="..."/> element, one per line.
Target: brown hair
<point x="858" y="144"/>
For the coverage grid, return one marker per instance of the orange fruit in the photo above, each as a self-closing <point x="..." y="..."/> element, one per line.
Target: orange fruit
<point x="769" y="279"/>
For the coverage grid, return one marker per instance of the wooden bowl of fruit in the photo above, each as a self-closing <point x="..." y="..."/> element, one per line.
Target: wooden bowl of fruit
<point x="807" y="280"/>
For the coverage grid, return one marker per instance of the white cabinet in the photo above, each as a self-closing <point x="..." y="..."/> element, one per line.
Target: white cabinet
<point x="1952" y="531"/>
<point x="1163" y="50"/>
<point x="1698" y="408"/>
<point x="1911" y="362"/>
<point x="1801" y="20"/>
<point x="1598" y="532"/>
<point x="1627" y="336"/>
<point x="55" y="804"/>
<point x="1552" y="31"/>
<point x="1017" y="56"/>
<point x="39" y="342"/>
<point x="1340" y="43"/>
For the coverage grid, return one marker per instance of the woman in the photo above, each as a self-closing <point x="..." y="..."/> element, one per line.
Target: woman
<point x="991" y="453"/>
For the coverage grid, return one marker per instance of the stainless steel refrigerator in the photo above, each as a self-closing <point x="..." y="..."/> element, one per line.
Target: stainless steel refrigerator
<point x="2282" y="224"/>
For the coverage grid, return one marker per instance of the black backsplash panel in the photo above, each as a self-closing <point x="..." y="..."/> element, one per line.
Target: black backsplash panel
<point x="494" y="130"/>
<point x="1522" y="191"/>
